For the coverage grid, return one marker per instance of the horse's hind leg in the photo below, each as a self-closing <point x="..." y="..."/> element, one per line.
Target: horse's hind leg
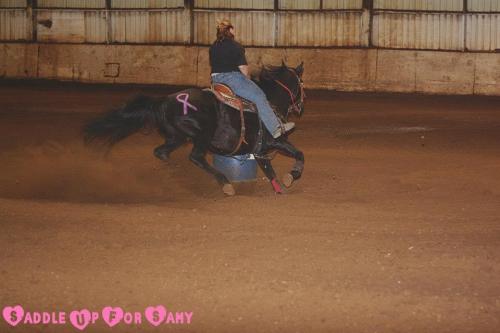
<point x="289" y="150"/>
<point x="163" y="151"/>
<point x="266" y="166"/>
<point x="173" y="140"/>
<point x="197" y="156"/>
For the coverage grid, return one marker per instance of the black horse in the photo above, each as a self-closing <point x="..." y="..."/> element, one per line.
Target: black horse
<point x="198" y="115"/>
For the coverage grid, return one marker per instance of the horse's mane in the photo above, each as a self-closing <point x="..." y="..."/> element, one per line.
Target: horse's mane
<point x="272" y="72"/>
<point x="273" y="69"/>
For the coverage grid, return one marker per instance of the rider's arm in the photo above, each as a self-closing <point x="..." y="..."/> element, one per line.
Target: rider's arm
<point x="244" y="70"/>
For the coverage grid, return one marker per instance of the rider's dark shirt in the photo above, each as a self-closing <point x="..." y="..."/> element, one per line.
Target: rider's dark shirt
<point x="226" y="56"/>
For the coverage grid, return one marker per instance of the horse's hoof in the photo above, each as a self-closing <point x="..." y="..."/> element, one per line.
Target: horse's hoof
<point x="287" y="180"/>
<point x="228" y="189"/>
<point x="161" y="156"/>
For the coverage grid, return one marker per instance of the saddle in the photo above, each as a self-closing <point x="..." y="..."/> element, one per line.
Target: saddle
<point x="226" y="96"/>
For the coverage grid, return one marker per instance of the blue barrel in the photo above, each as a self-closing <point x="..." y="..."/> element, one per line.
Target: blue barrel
<point x="239" y="168"/>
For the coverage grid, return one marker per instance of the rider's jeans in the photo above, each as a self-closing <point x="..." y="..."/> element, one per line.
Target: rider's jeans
<point x="246" y="88"/>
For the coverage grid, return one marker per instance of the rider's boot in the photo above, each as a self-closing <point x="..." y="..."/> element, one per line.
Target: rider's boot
<point x="286" y="127"/>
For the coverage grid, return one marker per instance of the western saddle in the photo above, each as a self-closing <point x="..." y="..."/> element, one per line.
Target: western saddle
<point x="226" y="96"/>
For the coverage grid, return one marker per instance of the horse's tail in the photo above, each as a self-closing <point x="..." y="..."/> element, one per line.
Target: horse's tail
<point x="120" y="123"/>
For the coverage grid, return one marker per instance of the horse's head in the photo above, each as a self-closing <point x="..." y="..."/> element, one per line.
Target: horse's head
<point x="284" y="88"/>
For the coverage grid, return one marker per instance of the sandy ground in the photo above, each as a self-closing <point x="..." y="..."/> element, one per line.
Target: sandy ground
<point x="394" y="226"/>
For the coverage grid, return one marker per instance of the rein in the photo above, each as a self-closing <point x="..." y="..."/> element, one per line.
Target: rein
<point x="295" y="106"/>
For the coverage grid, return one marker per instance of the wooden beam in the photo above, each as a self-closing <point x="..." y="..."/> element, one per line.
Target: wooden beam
<point x="31" y="12"/>
<point x="189" y="5"/>
<point x="109" y="34"/>
<point x="368" y="6"/>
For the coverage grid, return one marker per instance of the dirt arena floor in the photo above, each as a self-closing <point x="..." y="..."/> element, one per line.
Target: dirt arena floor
<point x="394" y="226"/>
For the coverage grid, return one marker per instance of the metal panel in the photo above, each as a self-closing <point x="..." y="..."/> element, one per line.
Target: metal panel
<point x="283" y="4"/>
<point x="169" y="26"/>
<point x="147" y="3"/>
<point x="71" y="4"/>
<point x="342" y="4"/>
<point x="96" y="27"/>
<point x="12" y="3"/>
<point x="483" y="5"/>
<point x="129" y="26"/>
<point x="14" y="25"/>
<point x="239" y="4"/>
<point x="65" y="26"/>
<point x="444" y="5"/>
<point x="321" y="29"/>
<point x="438" y="31"/>
<point x="150" y="27"/>
<point x="252" y="28"/>
<point x="299" y="4"/>
<point x="483" y="32"/>
<point x="72" y="26"/>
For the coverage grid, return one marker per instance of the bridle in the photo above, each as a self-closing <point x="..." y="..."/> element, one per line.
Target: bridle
<point x="297" y="103"/>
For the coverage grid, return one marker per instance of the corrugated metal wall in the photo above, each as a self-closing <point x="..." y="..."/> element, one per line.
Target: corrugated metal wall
<point x="129" y="26"/>
<point x="72" y="26"/>
<point x="71" y="3"/>
<point x="321" y="29"/>
<point x="150" y="27"/>
<point x="418" y="31"/>
<point x="12" y="3"/>
<point x="399" y="24"/>
<point x="119" y="4"/>
<point x="253" y="28"/>
<point x="95" y="27"/>
<point x="483" y="5"/>
<point x="342" y="4"/>
<point x="299" y="4"/>
<point x="147" y="4"/>
<point x="248" y="4"/>
<point x="14" y="25"/>
<point x="282" y="4"/>
<point x="444" y="5"/>
<point x="483" y="32"/>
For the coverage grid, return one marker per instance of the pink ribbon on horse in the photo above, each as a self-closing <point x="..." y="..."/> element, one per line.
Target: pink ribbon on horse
<point x="183" y="98"/>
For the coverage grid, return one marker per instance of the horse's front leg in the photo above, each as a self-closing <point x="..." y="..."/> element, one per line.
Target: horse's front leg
<point x="285" y="147"/>
<point x="265" y="165"/>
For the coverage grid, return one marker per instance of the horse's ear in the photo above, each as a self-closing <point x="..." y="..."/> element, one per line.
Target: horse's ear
<point x="300" y="69"/>
<point x="283" y="64"/>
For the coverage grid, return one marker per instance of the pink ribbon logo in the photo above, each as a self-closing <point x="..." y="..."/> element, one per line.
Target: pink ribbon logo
<point x="155" y="314"/>
<point x="183" y="98"/>
<point x="13" y="315"/>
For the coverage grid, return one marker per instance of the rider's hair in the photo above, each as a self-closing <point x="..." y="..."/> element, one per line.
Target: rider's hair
<point x="223" y="30"/>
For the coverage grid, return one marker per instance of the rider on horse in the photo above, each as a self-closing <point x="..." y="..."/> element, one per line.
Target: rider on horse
<point x="198" y="115"/>
<point x="229" y="66"/>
